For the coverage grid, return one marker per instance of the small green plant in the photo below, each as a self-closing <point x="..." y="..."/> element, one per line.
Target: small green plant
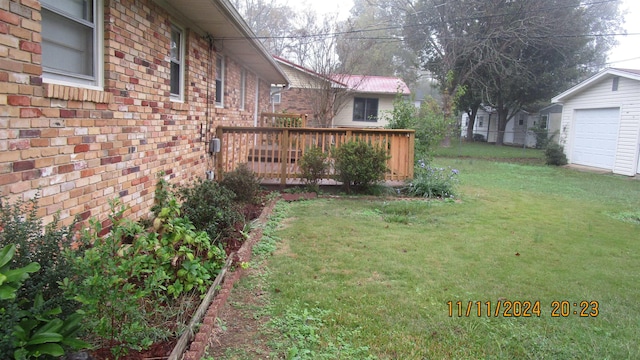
<point x="554" y="154"/>
<point x="314" y="166"/>
<point x="431" y="182"/>
<point x="243" y="182"/>
<point x="360" y="164"/>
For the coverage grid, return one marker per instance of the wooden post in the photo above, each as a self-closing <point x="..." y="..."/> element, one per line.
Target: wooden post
<point x="411" y="160"/>
<point x="284" y="149"/>
<point x="220" y="162"/>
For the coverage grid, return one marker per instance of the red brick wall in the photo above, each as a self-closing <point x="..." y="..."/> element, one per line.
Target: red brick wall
<point x="83" y="147"/>
<point x="301" y="101"/>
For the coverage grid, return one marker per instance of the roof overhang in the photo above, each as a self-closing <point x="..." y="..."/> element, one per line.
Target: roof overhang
<point x="602" y="75"/>
<point x="231" y="34"/>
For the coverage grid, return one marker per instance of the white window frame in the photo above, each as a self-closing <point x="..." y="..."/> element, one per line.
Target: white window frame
<point x="179" y="97"/>
<point x="481" y="121"/>
<point x="53" y="76"/>
<point x="243" y="88"/>
<point x="221" y="69"/>
<point x="276" y="95"/>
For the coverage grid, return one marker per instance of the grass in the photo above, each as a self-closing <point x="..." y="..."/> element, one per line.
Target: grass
<point x="374" y="278"/>
<point x="482" y="150"/>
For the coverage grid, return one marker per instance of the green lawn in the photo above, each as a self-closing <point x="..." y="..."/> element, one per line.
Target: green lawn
<point x="482" y="150"/>
<point x="376" y="276"/>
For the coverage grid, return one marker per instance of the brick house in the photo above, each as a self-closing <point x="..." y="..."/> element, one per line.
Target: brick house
<point x="97" y="97"/>
<point x="339" y="100"/>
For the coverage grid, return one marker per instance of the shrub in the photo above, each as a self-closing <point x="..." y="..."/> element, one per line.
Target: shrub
<point x="21" y="228"/>
<point x="21" y="225"/>
<point x="542" y="136"/>
<point x="33" y="332"/>
<point x="210" y="208"/>
<point x="314" y="166"/>
<point x="554" y="154"/>
<point x="243" y="182"/>
<point x="432" y="182"/>
<point x="479" y="137"/>
<point x="360" y="164"/>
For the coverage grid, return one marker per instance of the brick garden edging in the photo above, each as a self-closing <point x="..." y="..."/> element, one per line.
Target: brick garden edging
<point x="199" y="343"/>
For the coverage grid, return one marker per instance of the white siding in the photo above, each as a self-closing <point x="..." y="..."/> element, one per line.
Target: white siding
<point x="600" y="95"/>
<point x="344" y="117"/>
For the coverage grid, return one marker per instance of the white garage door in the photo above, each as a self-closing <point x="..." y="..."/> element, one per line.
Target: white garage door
<point x="596" y="137"/>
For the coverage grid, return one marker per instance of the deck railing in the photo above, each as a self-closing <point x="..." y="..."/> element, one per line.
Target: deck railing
<point x="274" y="152"/>
<point x="287" y="120"/>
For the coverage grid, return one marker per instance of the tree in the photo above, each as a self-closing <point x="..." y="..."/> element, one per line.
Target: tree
<point x="374" y="30"/>
<point x="515" y="52"/>
<point x="269" y="20"/>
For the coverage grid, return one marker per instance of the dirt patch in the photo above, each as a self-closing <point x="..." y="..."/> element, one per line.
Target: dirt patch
<point x="238" y="331"/>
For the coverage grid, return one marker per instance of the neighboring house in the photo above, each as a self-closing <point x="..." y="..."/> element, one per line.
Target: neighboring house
<point x="308" y="93"/>
<point x="485" y="126"/>
<point x="601" y="121"/>
<point x="550" y="118"/>
<point x="518" y="130"/>
<point x="368" y="99"/>
<point x="339" y="101"/>
<point x="100" y="96"/>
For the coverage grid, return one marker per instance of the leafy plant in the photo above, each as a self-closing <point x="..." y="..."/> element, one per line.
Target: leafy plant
<point x="314" y="166"/>
<point x="243" y="182"/>
<point x="402" y="116"/>
<point x="554" y="154"/>
<point x="124" y="277"/>
<point x="21" y="226"/>
<point x="542" y="136"/>
<point x="360" y="164"/>
<point x="210" y="208"/>
<point x="432" y="182"/>
<point x="36" y="331"/>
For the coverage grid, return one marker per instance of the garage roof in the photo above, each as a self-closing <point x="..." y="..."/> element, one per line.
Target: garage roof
<point x="230" y="33"/>
<point x="633" y="74"/>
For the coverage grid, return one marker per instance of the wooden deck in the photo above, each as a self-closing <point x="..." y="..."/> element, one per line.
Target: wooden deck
<point x="274" y="152"/>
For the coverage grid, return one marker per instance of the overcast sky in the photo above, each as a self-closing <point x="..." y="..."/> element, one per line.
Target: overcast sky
<point x="625" y="55"/>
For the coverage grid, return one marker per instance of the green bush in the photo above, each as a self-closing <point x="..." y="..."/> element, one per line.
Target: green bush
<point x="21" y="225"/>
<point x="542" y="136"/>
<point x="314" y="166"/>
<point x="554" y="154"/>
<point x="243" y="182"/>
<point x="432" y="182"/>
<point x="359" y="164"/>
<point x="22" y="228"/>
<point x="210" y="208"/>
<point x="31" y="332"/>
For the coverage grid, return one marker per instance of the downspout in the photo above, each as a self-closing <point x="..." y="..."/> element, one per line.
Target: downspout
<point x="256" y="105"/>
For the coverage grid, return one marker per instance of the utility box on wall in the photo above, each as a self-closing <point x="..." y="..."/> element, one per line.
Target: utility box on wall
<point x="214" y="146"/>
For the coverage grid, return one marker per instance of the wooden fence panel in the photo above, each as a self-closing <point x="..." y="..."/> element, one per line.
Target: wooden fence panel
<point x="274" y="152"/>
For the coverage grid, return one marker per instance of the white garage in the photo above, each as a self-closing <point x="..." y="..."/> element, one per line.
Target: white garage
<point x="596" y="137"/>
<point x="601" y="121"/>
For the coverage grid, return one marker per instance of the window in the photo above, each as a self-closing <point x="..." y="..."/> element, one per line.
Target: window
<point x="544" y="119"/>
<point x="243" y="87"/>
<point x="72" y="42"/>
<point x="177" y="63"/>
<point x="276" y="94"/>
<point x="521" y="120"/>
<point x="219" y="81"/>
<point x="365" y="109"/>
<point x="614" y="85"/>
<point x="481" y="121"/>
